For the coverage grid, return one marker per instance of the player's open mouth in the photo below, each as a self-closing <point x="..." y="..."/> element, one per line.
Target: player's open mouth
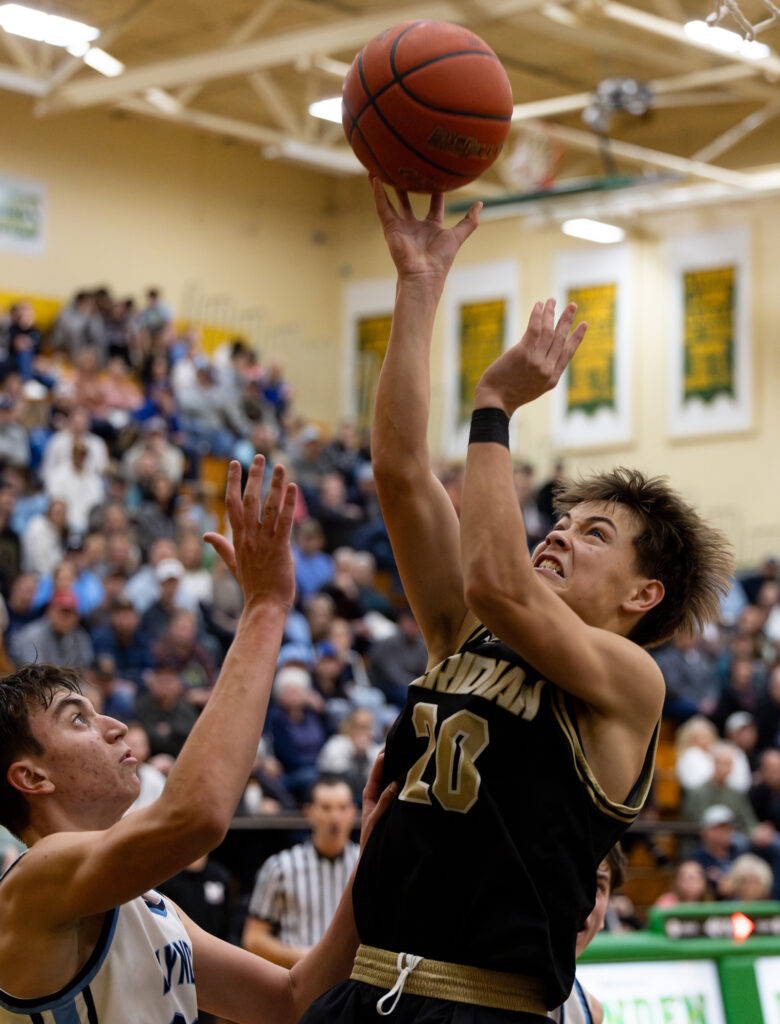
<point x="550" y="565"/>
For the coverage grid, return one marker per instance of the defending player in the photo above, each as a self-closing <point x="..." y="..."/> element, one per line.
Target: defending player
<point x="527" y="748"/>
<point x="82" y="939"/>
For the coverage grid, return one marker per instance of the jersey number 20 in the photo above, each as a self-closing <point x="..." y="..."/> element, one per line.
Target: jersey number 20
<point x="460" y="740"/>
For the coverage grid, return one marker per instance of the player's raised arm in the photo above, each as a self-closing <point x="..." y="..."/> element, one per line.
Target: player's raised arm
<point x="420" y="519"/>
<point x="547" y="608"/>
<point x="75" y="873"/>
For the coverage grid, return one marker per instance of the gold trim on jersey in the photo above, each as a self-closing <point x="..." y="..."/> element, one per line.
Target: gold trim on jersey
<point x="457" y="983"/>
<point x="622" y="812"/>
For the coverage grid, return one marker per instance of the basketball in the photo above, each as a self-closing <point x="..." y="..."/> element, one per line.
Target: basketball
<point x="426" y="106"/>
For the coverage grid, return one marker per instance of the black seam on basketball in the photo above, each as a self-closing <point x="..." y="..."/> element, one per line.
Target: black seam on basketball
<point x="398" y="79"/>
<point x="500" y="118"/>
<point x="356" y="126"/>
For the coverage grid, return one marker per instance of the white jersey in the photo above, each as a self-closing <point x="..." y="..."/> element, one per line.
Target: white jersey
<point x="577" y="1008"/>
<point x="140" y="972"/>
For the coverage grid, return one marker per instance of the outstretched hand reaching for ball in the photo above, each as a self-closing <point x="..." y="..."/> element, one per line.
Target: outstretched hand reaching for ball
<point x="421" y="248"/>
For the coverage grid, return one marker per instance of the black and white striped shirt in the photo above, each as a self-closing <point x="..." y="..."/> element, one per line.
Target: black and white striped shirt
<point x="297" y="891"/>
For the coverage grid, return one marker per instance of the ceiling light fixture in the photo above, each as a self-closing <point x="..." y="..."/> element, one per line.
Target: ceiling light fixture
<point x="20" y="20"/>
<point x="725" y="40"/>
<point x="328" y="109"/>
<point x="103" y="62"/>
<point x="593" y="230"/>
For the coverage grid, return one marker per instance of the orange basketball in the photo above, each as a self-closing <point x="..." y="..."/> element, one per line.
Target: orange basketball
<point x="426" y="106"/>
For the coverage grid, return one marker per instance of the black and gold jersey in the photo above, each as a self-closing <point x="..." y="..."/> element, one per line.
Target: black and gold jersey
<point x="488" y="856"/>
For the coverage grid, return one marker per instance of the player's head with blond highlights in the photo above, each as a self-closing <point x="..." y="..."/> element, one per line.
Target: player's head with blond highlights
<point x="673" y="544"/>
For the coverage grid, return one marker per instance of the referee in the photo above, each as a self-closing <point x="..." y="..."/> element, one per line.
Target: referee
<point x="297" y="891"/>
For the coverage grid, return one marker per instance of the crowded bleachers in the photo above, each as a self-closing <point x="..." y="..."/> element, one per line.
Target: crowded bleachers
<point x="116" y="426"/>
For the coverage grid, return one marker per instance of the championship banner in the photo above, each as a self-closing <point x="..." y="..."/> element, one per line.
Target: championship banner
<point x="22" y="215"/>
<point x="481" y="340"/>
<point x="593" y="403"/>
<point x="708" y="333"/>
<point x="590" y="382"/>
<point x="710" y="360"/>
<point x="373" y="335"/>
<point x="661" y="992"/>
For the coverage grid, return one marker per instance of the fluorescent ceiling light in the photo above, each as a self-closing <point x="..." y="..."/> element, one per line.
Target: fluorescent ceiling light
<point x="103" y="62"/>
<point x="725" y="40"/>
<point x="593" y="230"/>
<point x="20" y="20"/>
<point x="328" y="109"/>
<point x="162" y="100"/>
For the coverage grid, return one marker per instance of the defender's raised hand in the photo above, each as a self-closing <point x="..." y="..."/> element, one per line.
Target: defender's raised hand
<point x="421" y="247"/>
<point x="535" y="364"/>
<point x="260" y="556"/>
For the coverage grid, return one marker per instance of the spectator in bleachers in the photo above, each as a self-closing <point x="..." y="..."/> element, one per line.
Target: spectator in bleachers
<point x="208" y="416"/>
<point x="23" y="340"/>
<point x="59" y="447"/>
<point x="44" y="539"/>
<point x="143" y="587"/>
<point x="275" y="390"/>
<point x="56" y="638"/>
<point x="350" y="754"/>
<point x="10" y="545"/>
<point x="163" y="710"/>
<point x="78" y="325"/>
<point x="339" y="517"/>
<point x="741" y="730"/>
<point x="155" y="314"/>
<point x="157" y="617"/>
<point x="21" y="603"/>
<point x="154" y="519"/>
<point x="179" y="646"/>
<point x="765" y="792"/>
<point x="752" y="581"/>
<point x="168" y="459"/>
<point x="313" y="567"/>
<point x="748" y="880"/>
<point x="689" y="673"/>
<point x="718" y="790"/>
<point x="77" y="572"/>
<point x="320" y="611"/>
<point x="719" y="847"/>
<point x="197" y="583"/>
<point x="371" y="598"/>
<point x="295" y="727"/>
<point x="14" y="438"/>
<point x="80" y="487"/>
<point x="742" y="691"/>
<point x="124" y="640"/>
<point x="393" y="663"/>
<point x="690" y="885"/>
<point x="119" y="332"/>
<point x="344" y="453"/>
<point x="309" y="462"/>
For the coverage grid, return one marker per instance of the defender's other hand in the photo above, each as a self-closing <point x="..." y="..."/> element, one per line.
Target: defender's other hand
<point x="259" y="557"/>
<point x="535" y="364"/>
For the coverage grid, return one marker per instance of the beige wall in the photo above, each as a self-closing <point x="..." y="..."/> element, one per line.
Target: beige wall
<point x="135" y="202"/>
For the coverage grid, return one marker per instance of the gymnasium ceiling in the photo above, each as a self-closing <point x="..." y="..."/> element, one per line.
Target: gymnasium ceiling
<point x="248" y="70"/>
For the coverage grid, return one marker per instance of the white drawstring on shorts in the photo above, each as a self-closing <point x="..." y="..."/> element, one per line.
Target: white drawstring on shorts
<point x="405" y="964"/>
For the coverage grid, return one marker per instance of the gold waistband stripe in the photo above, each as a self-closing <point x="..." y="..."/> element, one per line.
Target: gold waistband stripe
<point x="455" y="982"/>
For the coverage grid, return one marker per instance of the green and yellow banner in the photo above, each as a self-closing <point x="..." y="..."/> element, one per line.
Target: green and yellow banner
<point x="708" y="333"/>
<point x="481" y="336"/>
<point x="591" y="379"/>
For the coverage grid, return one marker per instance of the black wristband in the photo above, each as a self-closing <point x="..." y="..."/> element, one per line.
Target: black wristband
<point x="489" y="425"/>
